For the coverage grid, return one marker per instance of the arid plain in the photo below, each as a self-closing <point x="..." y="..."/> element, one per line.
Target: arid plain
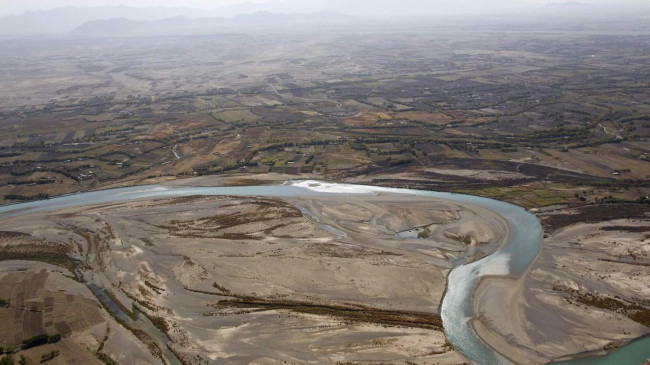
<point x="554" y="119"/>
<point x="267" y="280"/>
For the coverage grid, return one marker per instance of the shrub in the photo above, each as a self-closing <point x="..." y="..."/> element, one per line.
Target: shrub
<point x="35" y="341"/>
<point x="49" y="356"/>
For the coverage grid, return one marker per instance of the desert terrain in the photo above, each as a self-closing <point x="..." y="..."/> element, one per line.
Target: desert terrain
<point x="260" y="280"/>
<point x="349" y="279"/>
<point x="555" y="119"/>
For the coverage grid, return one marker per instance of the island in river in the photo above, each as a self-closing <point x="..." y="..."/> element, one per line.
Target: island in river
<point x="323" y="278"/>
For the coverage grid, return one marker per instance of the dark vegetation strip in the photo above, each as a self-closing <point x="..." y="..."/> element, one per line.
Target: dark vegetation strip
<point x="143" y="336"/>
<point x="633" y="229"/>
<point x="633" y="311"/>
<point x="161" y="324"/>
<point x="352" y="314"/>
<point x="626" y="262"/>
<point x="595" y="214"/>
<point x="40" y="340"/>
<point x="54" y="258"/>
<point x="13" y="234"/>
<point x="102" y="356"/>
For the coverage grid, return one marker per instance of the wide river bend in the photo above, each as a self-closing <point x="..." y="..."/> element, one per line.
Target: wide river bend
<point x="512" y="259"/>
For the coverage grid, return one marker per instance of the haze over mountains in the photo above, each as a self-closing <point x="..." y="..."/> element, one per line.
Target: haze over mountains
<point x="184" y="25"/>
<point x="128" y="20"/>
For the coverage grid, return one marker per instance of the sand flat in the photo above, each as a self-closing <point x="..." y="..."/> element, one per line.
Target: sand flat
<point x="178" y="258"/>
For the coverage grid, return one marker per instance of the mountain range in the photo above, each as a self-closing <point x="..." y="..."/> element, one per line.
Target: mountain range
<point x="186" y="25"/>
<point x="100" y="18"/>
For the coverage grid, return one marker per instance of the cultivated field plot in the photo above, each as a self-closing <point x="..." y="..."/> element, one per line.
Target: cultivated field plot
<point x="555" y="119"/>
<point x="33" y="310"/>
<point x="47" y="316"/>
<point x="355" y="103"/>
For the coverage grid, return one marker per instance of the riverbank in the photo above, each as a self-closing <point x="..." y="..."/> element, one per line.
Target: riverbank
<point x="173" y="251"/>
<point x="43" y="298"/>
<point x="583" y="295"/>
<point x="181" y="259"/>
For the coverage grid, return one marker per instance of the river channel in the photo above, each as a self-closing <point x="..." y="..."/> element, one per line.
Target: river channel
<point x="512" y="259"/>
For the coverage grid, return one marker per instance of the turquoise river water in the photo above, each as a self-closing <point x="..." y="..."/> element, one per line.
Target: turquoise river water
<point x="513" y="258"/>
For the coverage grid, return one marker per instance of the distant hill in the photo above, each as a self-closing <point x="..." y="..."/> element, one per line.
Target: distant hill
<point x="603" y="9"/>
<point x="65" y="19"/>
<point x="185" y="25"/>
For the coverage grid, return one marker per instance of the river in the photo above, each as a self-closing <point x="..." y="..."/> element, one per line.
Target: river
<point x="513" y="258"/>
<point x="138" y="322"/>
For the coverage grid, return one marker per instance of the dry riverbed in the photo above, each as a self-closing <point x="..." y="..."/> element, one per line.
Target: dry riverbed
<point x="257" y="280"/>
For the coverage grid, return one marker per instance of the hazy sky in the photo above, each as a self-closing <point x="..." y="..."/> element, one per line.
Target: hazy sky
<point x="18" y="6"/>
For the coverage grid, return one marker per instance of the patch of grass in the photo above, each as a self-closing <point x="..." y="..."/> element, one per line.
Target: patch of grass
<point x="595" y="214"/>
<point x="633" y="229"/>
<point x="160" y="323"/>
<point x="221" y="288"/>
<point x="54" y="258"/>
<point x="262" y="210"/>
<point x="523" y="196"/>
<point x="641" y="316"/>
<point x="157" y="289"/>
<point x="633" y="311"/>
<point x="149" y="342"/>
<point x="103" y="357"/>
<point x="49" y="356"/>
<point x="12" y="234"/>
